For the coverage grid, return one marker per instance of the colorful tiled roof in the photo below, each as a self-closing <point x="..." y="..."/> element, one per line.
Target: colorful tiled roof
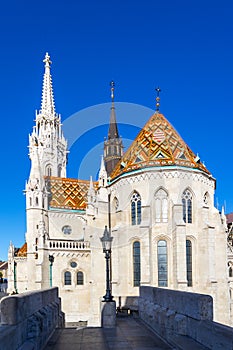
<point x="157" y="144"/>
<point x="22" y="252"/>
<point x="68" y="193"/>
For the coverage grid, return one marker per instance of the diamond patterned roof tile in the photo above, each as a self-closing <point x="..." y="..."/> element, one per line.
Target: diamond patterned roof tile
<point x="68" y="193"/>
<point x="157" y="144"/>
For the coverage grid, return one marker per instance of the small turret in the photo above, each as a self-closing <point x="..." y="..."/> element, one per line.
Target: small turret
<point x="103" y="176"/>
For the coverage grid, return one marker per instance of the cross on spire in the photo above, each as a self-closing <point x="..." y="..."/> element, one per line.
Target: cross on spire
<point x="158" y="98"/>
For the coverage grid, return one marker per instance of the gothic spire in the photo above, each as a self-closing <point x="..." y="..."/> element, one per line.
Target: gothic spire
<point x="113" y="130"/>
<point x="113" y="147"/>
<point x="47" y="103"/>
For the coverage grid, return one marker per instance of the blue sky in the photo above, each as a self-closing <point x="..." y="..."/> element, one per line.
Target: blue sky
<point x="185" y="47"/>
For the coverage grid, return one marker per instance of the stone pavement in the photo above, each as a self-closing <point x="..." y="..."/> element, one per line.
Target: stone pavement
<point x="130" y="333"/>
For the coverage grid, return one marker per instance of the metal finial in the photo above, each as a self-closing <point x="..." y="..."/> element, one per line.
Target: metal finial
<point x="158" y="98"/>
<point x="47" y="60"/>
<point x="112" y="84"/>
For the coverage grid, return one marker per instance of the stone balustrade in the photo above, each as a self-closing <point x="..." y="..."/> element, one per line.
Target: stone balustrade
<point x="68" y="245"/>
<point x="29" y="319"/>
<point x="184" y="319"/>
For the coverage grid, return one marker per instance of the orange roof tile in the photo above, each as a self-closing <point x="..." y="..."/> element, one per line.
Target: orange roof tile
<point x="22" y="252"/>
<point x="68" y="193"/>
<point x="157" y="144"/>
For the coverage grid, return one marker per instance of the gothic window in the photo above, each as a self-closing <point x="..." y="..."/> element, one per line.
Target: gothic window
<point x="136" y="209"/>
<point x="136" y="264"/>
<point x="67" y="278"/>
<point x="187" y="206"/>
<point x="80" y="278"/>
<point x="30" y="201"/>
<point x="162" y="263"/>
<point x="37" y="201"/>
<point x="230" y="270"/>
<point x="115" y="204"/>
<point x="189" y="262"/>
<point x="59" y="170"/>
<point x="48" y="170"/>
<point x="161" y="206"/>
<point x="206" y="198"/>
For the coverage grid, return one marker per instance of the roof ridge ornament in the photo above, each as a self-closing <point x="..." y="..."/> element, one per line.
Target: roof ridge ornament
<point x="158" y="98"/>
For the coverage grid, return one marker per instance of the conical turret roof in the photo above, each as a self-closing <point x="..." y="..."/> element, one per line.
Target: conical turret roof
<point x="157" y="144"/>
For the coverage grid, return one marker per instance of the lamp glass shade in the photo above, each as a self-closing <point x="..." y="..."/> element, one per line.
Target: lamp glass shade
<point x="106" y="240"/>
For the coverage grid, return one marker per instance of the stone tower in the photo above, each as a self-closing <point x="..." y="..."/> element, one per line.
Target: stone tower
<point x="48" y="153"/>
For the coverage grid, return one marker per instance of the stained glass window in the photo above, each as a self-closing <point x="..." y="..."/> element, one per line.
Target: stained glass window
<point x="162" y="263"/>
<point x="187" y="206"/>
<point x="189" y="262"/>
<point x="136" y="209"/>
<point x="136" y="264"/>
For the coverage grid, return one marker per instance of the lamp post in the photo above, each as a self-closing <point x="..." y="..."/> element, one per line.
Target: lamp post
<point x="106" y="241"/>
<point x="51" y="260"/>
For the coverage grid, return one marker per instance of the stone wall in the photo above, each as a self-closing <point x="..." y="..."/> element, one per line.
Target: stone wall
<point x="182" y="317"/>
<point x="29" y="319"/>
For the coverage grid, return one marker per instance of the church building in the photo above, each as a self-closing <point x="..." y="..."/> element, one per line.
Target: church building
<point x="156" y="199"/>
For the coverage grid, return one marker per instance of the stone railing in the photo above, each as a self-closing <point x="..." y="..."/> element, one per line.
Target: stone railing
<point x="184" y="319"/>
<point x="29" y="319"/>
<point x="68" y="245"/>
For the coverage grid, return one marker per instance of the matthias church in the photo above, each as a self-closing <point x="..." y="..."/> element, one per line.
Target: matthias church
<point x="156" y="200"/>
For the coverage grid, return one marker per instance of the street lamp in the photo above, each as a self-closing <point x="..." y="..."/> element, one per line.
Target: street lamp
<point x="51" y="260"/>
<point x="106" y="241"/>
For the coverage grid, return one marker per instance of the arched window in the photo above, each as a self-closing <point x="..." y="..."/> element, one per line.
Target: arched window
<point x="187" y="206"/>
<point x="162" y="263"/>
<point x="30" y="201"/>
<point x="189" y="262"/>
<point x="136" y="264"/>
<point x="80" y="278"/>
<point x="59" y="170"/>
<point x="67" y="278"/>
<point x="206" y="198"/>
<point x="161" y="207"/>
<point x="115" y="204"/>
<point x="230" y="270"/>
<point x="48" y="170"/>
<point x="37" y="201"/>
<point x="136" y="209"/>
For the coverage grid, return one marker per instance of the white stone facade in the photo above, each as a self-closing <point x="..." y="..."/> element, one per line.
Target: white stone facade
<point x="161" y="196"/>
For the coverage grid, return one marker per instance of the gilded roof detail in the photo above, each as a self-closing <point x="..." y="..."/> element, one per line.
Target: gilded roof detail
<point x="68" y="193"/>
<point x="157" y="144"/>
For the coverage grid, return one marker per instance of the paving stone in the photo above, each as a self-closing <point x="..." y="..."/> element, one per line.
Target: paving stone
<point x="129" y="334"/>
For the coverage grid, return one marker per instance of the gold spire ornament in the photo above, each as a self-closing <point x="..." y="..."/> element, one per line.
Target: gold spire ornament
<point x="158" y="98"/>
